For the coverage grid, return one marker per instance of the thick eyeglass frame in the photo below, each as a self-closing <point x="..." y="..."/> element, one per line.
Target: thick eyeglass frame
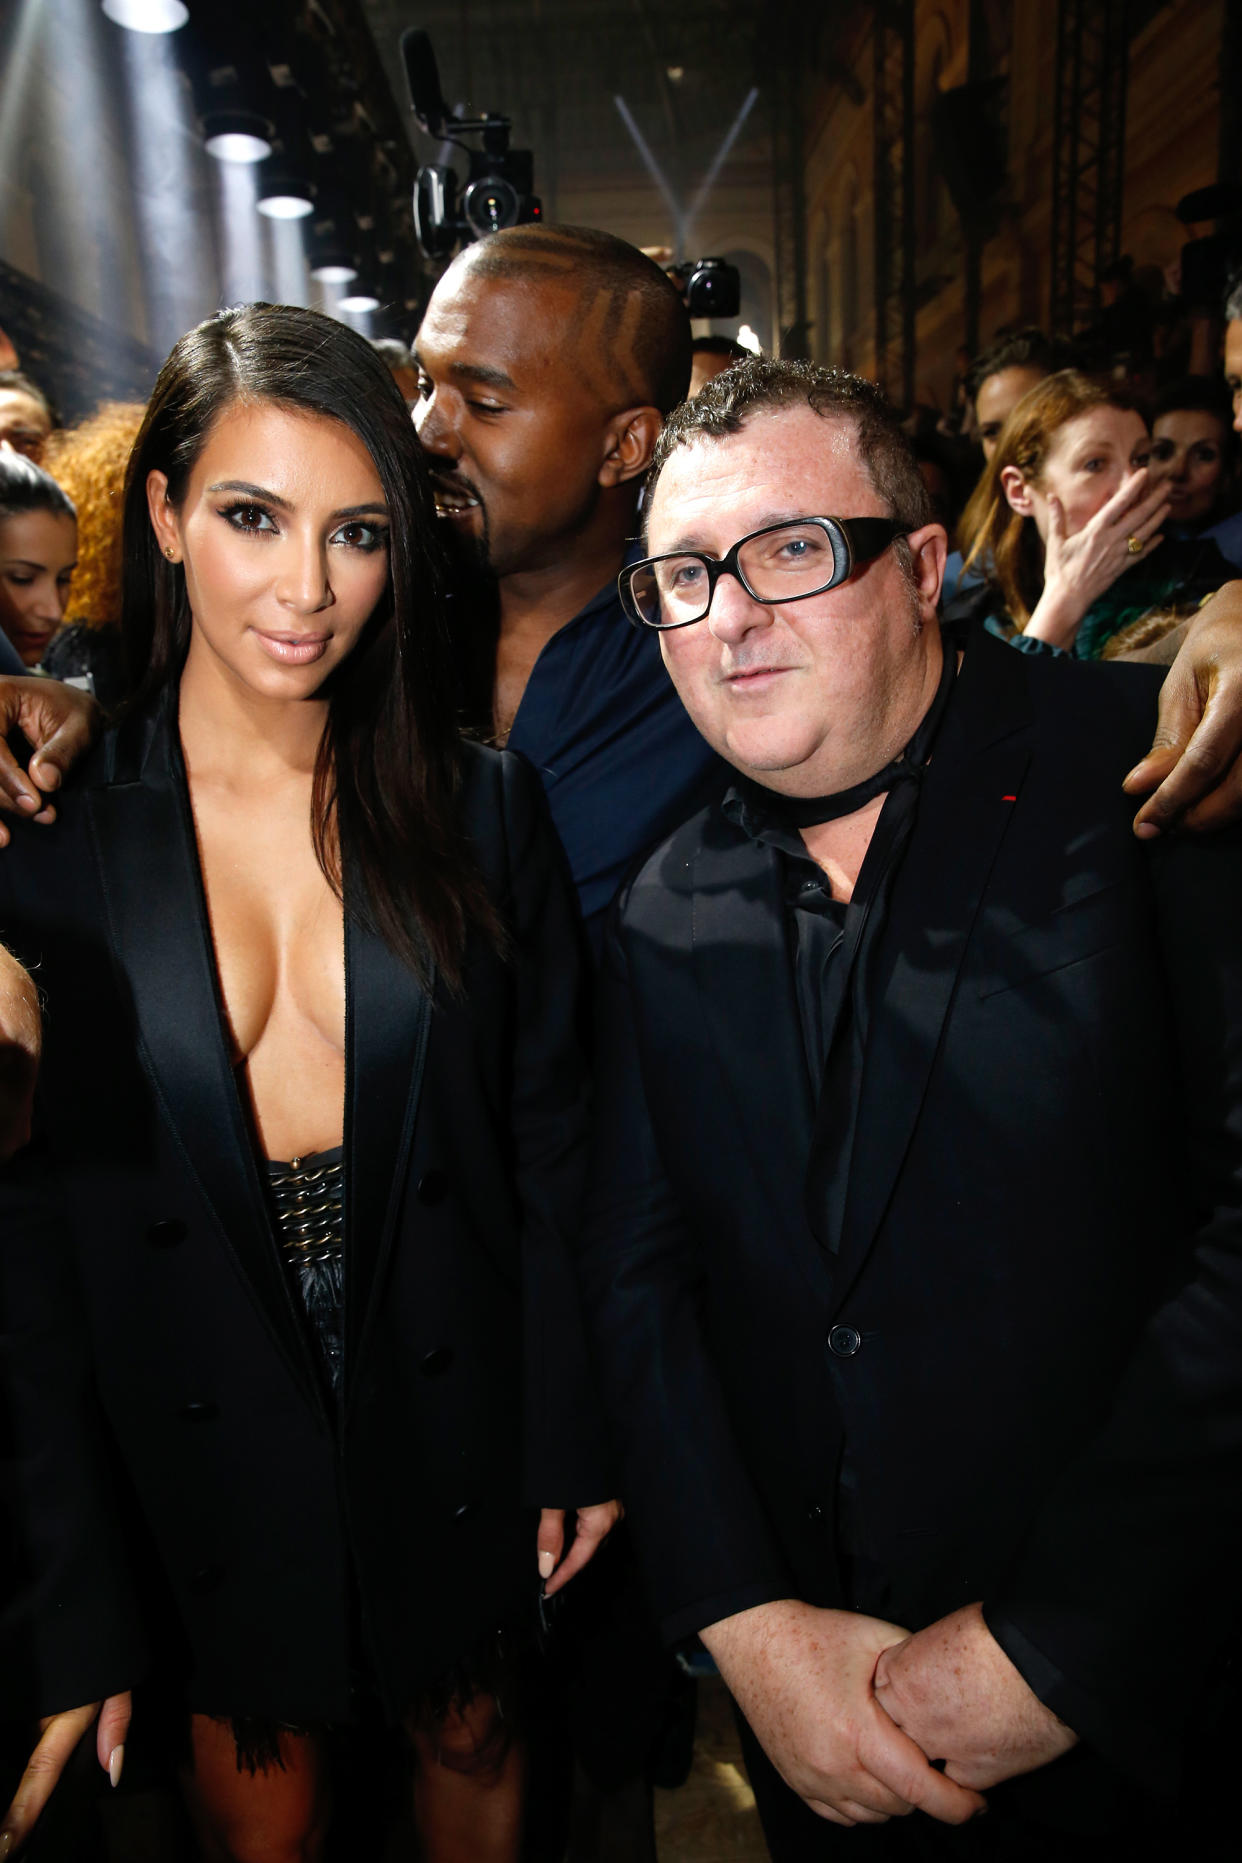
<point x="853" y="540"/>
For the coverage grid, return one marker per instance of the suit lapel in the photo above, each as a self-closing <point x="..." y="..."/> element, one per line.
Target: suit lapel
<point x="745" y="978"/>
<point x="973" y="781"/>
<point x="144" y="845"/>
<point x="387" y="1024"/>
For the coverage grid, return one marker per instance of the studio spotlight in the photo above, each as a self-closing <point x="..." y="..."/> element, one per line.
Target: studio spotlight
<point x="237" y="136"/>
<point x="283" y="196"/>
<point x="360" y="299"/>
<point x="334" y="270"/>
<point x="332" y="260"/>
<point x="147" y="15"/>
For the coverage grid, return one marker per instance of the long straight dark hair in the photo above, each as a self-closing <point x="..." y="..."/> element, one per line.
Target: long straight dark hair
<point x="388" y="770"/>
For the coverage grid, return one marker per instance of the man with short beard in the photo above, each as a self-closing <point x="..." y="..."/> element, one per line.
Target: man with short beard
<point x="548" y="359"/>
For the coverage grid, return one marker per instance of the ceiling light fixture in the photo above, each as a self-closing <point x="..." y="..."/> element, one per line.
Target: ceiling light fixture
<point x="147" y="15"/>
<point x="283" y="196"/>
<point x="237" y="136"/>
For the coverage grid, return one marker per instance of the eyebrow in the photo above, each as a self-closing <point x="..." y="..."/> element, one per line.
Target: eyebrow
<point x="28" y="562"/>
<point x="692" y="546"/>
<point x="474" y="372"/>
<point x="273" y="498"/>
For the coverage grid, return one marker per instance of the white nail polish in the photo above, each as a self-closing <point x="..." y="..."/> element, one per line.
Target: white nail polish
<point x="116" y="1759"/>
<point x="546" y="1563"/>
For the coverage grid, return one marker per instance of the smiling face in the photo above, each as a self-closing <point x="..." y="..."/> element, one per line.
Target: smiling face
<point x="515" y="433"/>
<point x="38" y="550"/>
<point x="282" y="534"/>
<point x="811" y="696"/>
<point x="1188" y="449"/>
<point x="1087" y="459"/>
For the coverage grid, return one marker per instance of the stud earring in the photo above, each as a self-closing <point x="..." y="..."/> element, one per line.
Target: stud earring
<point x="170" y="554"/>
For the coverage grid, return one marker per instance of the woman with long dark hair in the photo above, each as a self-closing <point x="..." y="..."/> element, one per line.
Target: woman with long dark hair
<point x="293" y="1357"/>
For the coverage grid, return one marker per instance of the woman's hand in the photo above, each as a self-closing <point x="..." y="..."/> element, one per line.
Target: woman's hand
<point x="594" y="1526"/>
<point x="1078" y="569"/>
<point x="60" y="1734"/>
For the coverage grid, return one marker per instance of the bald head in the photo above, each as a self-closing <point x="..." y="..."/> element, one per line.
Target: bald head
<point x="625" y="326"/>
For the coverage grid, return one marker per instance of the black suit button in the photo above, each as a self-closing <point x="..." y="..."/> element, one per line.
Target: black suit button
<point x="432" y="1187"/>
<point x="814" y="1511"/>
<point x="844" y="1341"/>
<point x="206" y="1578"/>
<point x="466" y="1511"/>
<point x="433" y="1363"/>
<point x="166" y="1233"/>
<point x="200" y="1410"/>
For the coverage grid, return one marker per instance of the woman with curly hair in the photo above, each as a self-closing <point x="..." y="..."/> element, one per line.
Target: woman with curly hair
<point x="89" y="462"/>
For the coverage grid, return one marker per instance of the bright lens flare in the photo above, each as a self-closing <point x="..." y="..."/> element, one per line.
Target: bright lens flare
<point x="285" y="206"/>
<point x="236" y="147"/>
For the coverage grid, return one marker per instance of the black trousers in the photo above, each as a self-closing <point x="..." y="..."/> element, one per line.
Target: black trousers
<point x="1061" y="1821"/>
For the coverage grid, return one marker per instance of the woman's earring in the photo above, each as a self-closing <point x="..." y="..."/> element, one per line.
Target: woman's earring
<point x="170" y="553"/>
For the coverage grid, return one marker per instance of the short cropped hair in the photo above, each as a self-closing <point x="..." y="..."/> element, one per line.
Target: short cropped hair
<point x="766" y="384"/>
<point x="1027" y="348"/>
<point x="642" y="343"/>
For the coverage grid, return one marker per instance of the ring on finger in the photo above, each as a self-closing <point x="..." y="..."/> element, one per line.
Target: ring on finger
<point x="1134" y="545"/>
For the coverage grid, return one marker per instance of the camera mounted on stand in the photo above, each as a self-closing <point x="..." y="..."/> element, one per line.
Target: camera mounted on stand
<point x="499" y="187"/>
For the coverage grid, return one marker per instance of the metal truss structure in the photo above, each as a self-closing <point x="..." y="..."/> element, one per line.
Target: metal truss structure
<point x="893" y="104"/>
<point x="1088" y="154"/>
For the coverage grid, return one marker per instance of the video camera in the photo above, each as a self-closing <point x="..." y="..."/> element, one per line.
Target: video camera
<point x="710" y="287"/>
<point x="499" y="188"/>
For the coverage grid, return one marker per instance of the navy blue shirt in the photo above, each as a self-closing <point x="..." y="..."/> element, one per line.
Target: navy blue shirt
<point x="620" y="760"/>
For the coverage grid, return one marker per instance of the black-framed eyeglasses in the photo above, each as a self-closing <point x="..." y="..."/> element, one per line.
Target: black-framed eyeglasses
<point x="780" y="563"/>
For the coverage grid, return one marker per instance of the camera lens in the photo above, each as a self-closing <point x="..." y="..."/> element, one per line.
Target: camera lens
<point x="489" y="204"/>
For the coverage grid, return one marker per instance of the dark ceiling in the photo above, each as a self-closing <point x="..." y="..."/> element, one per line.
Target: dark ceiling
<point x="683" y="67"/>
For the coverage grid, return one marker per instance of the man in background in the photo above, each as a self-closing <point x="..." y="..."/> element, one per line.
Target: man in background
<point x="547" y="361"/>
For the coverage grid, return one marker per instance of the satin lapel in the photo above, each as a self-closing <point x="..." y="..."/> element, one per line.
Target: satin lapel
<point x="387" y="1023"/>
<point x="745" y="978"/>
<point x="144" y="845"/>
<point x="974" y="778"/>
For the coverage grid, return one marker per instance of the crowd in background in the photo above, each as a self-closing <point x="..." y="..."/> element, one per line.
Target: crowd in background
<point x="1171" y="436"/>
<point x="1092" y="505"/>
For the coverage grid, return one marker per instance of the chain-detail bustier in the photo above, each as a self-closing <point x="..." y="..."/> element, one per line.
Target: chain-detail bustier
<point x="307" y="1202"/>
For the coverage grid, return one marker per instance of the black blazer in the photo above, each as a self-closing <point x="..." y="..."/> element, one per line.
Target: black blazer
<point x="1031" y="1336"/>
<point x="149" y="1323"/>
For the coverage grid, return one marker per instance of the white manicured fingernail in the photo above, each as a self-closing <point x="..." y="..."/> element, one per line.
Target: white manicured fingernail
<point x="116" y="1759"/>
<point x="546" y="1563"/>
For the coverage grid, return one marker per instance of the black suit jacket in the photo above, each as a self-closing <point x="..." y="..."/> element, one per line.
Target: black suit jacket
<point x="1029" y="1336"/>
<point x="159" y="1389"/>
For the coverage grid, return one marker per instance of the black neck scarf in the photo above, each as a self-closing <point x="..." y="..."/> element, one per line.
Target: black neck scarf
<point x="810" y="811"/>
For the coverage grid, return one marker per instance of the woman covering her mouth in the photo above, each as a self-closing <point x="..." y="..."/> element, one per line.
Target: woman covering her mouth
<point x="291" y="1331"/>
